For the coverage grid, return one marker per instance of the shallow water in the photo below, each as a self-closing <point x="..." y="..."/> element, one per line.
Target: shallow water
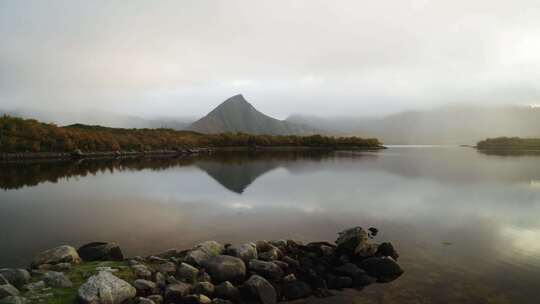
<point x="466" y="224"/>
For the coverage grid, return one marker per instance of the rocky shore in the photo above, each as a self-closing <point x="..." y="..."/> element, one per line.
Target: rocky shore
<point x="264" y="272"/>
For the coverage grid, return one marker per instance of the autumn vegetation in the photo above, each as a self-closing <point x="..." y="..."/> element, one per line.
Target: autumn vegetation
<point x="29" y="135"/>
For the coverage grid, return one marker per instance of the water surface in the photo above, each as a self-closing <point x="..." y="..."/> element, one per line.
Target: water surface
<point x="466" y="224"/>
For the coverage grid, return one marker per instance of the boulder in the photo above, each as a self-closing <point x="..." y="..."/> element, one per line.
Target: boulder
<point x="101" y="251"/>
<point x="257" y="288"/>
<point x="365" y="250"/>
<point x="61" y="254"/>
<point x="349" y="270"/>
<point x="14" y="300"/>
<point x="3" y="280"/>
<point x="175" y="293"/>
<point x="296" y="290"/>
<point x="221" y="301"/>
<point x="270" y="255"/>
<point x="227" y="290"/>
<point x="204" y="288"/>
<point x="339" y="282"/>
<point x="15" y="276"/>
<point x="166" y="268"/>
<point x="141" y="300"/>
<point x="56" y="280"/>
<point x="384" y="269"/>
<point x="7" y="290"/>
<point x="246" y="252"/>
<point x="349" y="239"/>
<point x="263" y="246"/>
<point x="144" y="287"/>
<point x="157" y="299"/>
<point x="160" y="280"/>
<point x="225" y="268"/>
<point x="291" y="262"/>
<point x="387" y="250"/>
<point x="187" y="273"/>
<point x="203" y="252"/>
<point x="141" y="271"/>
<point x="267" y="270"/>
<point x="104" y="287"/>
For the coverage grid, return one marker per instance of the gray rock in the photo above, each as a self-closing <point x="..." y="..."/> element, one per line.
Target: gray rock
<point x="158" y="299"/>
<point x="348" y="240"/>
<point x="263" y="246"/>
<point x="141" y="300"/>
<point x="105" y="288"/>
<point x="144" y="287"/>
<point x="257" y="288"/>
<point x="203" y="252"/>
<point x="35" y="286"/>
<point x="291" y="262"/>
<point x="15" y="276"/>
<point x="204" y="288"/>
<point x="187" y="273"/>
<point x="227" y="290"/>
<point x="7" y="290"/>
<point x="384" y="269"/>
<point x="61" y="254"/>
<point x="281" y="244"/>
<point x="175" y="293"/>
<point x="160" y="279"/>
<point x="141" y="271"/>
<point x="197" y="299"/>
<point x="57" y="280"/>
<point x="365" y="250"/>
<point x="101" y="251"/>
<point x="225" y="268"/>
<point x="267" y="270"/>
<point x="246" y="252"/>
<point x="3" y="280"/>
<point x="166" y="268"/>
<point x="296" y="290"/>
<point x="14" y="300"/>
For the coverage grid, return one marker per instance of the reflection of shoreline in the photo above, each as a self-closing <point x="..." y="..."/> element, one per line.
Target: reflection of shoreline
<point x="509" y="152"/>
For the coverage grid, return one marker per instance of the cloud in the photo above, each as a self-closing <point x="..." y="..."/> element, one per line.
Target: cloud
<point x="312" y="57"/>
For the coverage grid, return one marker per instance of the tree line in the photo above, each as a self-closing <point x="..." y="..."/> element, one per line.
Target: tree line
<point x="509" y="143"/>
<point x="29" y="135"/>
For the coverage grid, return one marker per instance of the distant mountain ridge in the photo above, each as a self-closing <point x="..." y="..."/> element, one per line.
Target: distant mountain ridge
<point x="236" y="114"/>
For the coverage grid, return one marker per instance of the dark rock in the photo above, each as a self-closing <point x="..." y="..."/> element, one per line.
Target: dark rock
<point x="221" y="301"/>
<point x="61" y="254"/>
<point x="339" y="282"/>
<point x="270" y="255"/>
<point x="141" y="300"/>
<point x="384" y="269"/>
<point x="16" y="277"/>
<point x="101" y="251"/>
<point x="225" y="268"/>
<point x="322" y="293"/>
<point x="348" y="270"/>
<point x="187" y="273"/>
<point x="362" y="279"/>
<point x="105" y="288"/>
<point x="387" y="249"/>
<point x="203" y="252"/>
<point x="257" y="288"/>
<point x="8" y="290"/>
<point x="57" y="280"/>
<point x="246" y="251"/>
<point x="204" y="288"/>
<point x="349" y="239"/>
<point x="226" y="290"/>
<point x="196" y="299"/>
<point x="160" y="280"/>
<point x="145" y="287"/>
<point x="289" y="278"/>
<point x="203" y="276"/>
<point x="14" y="300"/>
<point x="166" y="268"/>
<point x="267" y="270"/>
<point x="281" y="244"/>
<point x="365" y="250"/>
<point x="263" y="246"/>
<point x="296" y="290"/>
<point x="3" y="280"/>
<point x="284" y="266"/>
<point x="157" y="299"/>
<point x="175" y="293"/>
<point x="291" y="262"/>
<point x="373" y="232"/>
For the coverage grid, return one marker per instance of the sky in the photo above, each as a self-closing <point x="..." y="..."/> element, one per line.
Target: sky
<point x="323" y="58"/>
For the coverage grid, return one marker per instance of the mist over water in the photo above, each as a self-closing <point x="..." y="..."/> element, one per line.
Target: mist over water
<point x="463" y="222"/>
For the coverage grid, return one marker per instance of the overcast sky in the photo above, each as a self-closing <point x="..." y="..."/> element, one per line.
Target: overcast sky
<point x="325" y="58"/>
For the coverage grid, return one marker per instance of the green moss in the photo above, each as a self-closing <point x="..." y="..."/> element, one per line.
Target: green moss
<point x="78" y="274"/>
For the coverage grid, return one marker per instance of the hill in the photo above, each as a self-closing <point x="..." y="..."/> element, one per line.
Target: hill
<point x="237" y="115"/>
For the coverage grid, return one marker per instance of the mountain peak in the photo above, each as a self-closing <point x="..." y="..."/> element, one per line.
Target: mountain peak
<point x="236" y="99"/>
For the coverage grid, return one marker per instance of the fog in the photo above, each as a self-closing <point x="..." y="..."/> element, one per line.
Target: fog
<point x="324" y="58"/>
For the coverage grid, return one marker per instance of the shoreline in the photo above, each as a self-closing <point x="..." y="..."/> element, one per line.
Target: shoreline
<point x="77" y="154"/>
<point x="258" y="272"/>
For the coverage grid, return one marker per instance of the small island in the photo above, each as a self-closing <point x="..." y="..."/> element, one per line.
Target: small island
<point x="264" y="272"/>
<point x="509" y="145"/>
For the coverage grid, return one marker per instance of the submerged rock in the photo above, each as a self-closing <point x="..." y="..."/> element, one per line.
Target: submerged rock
<point x="225" y="268"/>
<point x="105" y="288"/>
<point x="61" y="254"/>
<point x="101" y="251"/>
<point x="384" y="269"/>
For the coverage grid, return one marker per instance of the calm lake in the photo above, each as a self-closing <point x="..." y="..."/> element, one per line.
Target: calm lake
<point x="466" y="224"/>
